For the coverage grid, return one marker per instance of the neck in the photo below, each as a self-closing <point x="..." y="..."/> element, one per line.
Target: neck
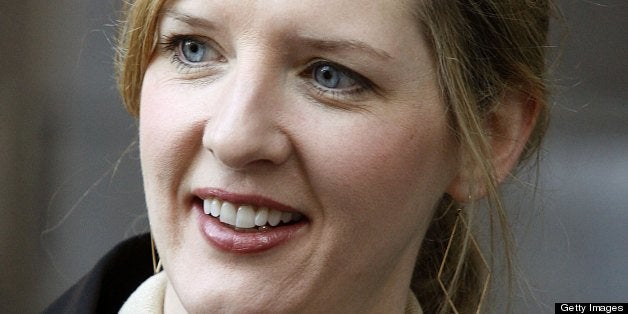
<point x="172" y="304"/>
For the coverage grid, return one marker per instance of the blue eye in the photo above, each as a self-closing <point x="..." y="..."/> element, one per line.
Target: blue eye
<point x="193" y="51"/>
<point x="327" y="76"/>
<point x="333" y="77"/>
<point x="334" y="82"/>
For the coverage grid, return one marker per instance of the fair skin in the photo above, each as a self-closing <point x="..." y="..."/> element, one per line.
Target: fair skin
<point x="325" y="114"/>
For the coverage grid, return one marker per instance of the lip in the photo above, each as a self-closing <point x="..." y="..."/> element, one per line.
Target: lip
<point x="227" y="239"/>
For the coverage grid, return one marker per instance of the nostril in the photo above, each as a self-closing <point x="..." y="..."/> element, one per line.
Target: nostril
<point x="259" y="149"/>
<point x="243" y="136"/>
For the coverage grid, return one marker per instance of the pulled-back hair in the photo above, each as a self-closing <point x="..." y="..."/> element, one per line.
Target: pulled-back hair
<point x="481" y="48"/>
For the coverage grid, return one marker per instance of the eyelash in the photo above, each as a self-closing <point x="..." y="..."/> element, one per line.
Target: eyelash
<point x="363" y="84"/>
<point x="171" y="45"/>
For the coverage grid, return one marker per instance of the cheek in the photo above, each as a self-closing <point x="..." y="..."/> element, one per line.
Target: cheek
<point x="402" y="167"/>
<point x="375" y="179"/>
<point x="169" y="140"/>
<point x="170" y="136"/>
<point x="169" y="132"/>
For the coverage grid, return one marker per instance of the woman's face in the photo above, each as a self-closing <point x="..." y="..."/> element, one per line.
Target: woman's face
<point x="314" y="131"/>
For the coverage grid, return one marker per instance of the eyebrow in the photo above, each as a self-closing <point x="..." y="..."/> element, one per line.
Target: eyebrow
<point x="325" y="44"/>
<point x="349" y="45"/>
<point x="188" y="19"/>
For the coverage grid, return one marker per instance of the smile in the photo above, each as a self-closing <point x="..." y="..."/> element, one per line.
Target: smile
<point x="245" y="223"/>
<point x="248" y="216"/>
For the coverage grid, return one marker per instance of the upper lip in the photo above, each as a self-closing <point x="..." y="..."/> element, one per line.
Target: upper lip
<point x="242" y="199"/>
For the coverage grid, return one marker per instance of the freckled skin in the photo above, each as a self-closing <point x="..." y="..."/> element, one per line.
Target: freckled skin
<point x="366" y="168"/>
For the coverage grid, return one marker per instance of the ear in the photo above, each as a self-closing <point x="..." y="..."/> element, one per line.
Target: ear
<point x="508" y="127"/>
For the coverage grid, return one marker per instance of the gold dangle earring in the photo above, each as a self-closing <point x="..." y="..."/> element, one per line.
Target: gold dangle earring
<point x="467" y="238"/>
<point x="156" y="261"/>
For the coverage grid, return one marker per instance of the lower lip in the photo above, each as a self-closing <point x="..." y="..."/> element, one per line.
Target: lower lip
<point x="227" y="239"/>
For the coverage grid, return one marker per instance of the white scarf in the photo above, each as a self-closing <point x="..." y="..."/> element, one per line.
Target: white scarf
<point x="149" y="298"/>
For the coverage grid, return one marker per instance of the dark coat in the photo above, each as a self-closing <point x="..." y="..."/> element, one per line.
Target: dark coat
<point x="107" y="286"/>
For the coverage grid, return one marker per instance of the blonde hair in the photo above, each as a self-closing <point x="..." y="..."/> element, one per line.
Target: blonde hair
<point x="137" y="39"/>
<point x="481" y="49"/>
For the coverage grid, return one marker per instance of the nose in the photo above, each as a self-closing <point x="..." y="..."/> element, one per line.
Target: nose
<point x="245" y="129"/>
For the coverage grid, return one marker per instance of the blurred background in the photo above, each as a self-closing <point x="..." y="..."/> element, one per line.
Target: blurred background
<point x="70" y="185"/>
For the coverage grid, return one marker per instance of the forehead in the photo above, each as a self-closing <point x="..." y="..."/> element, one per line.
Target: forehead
<point x="380" y="20"/>
<point x="339" y="9"/>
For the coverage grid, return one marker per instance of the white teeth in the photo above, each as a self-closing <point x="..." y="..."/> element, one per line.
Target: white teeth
<point x="228" y="213"/>
<point x="245" y="217"/>
<point x="261" y="218"/>
<point x="206" y="206"/>
<point x="274" y="217"/>
<point x="214" y="208"/>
